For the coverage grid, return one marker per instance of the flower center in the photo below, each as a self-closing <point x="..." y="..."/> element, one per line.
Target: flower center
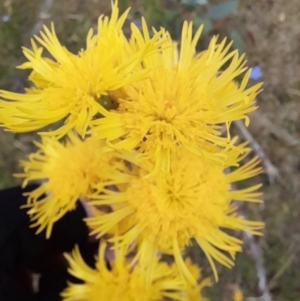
<point x="191" y="201"/>
<point x="169" y="112"/>
<point x="122" y="286"/>
<point x="76" y="168"/>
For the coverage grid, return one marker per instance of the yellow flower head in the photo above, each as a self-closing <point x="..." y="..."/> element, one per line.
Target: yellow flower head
<point x="194" y="292"/>
<point x="74" y="87"/>
<point x="237" y="294"/>
<point x="181" y="104"/>
<point x="194" y="200"/>
<point x="69" y="171"/>
<point x="122" y="282"/>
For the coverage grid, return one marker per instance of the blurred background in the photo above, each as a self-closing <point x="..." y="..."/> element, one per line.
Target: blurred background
<point x="269" y="33"/>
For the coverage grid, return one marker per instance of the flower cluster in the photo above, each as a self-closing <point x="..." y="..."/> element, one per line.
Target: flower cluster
<point x="141" y="126"/>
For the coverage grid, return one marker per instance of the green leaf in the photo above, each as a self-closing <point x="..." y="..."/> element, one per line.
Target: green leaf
<point x="207" y="25"/>
<point x="238" y="42"/>
<point x="223" y="10"/>
<point x="169" y="14"/>
<point x="194" y="2"/>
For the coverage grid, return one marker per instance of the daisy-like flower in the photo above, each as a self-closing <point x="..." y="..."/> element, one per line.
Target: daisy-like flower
<point x="68" y="171"/>
<point x="75" y="87"/>
<point x="181" y="104"/>
<point x="194" y="201"/>
<point x="122" y="282"/>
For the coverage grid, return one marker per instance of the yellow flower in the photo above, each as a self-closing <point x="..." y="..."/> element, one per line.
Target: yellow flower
<point x="237" y="295"/>
<point x="122" y="282"/>
<point x="74" y="87"/>
<point x="69" y="171"/>
<point x="181" y="104"/>
<point x="194" y="200"/>
<point x="194" y="292"/>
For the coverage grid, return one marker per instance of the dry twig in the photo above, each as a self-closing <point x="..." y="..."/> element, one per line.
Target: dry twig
<point x="257" y="257"/>
<point x="43" y="14"/>
<point x="277" y="131"/>
<point x="270" y="169"/>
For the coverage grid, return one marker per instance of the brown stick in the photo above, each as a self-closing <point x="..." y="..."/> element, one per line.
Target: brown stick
<point x="43" y="14"/>
<point x="257" y="257"/>
<point x="270" y="170"/>
<point x="277" y="131"/>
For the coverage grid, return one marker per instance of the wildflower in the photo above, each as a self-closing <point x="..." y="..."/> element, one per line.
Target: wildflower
<point x="74" y="87"/>
<point x="68" y="171"/>
<point x="192" y="201"/>
<point x="181" y="104"/>
<point x="237" y="295"/>
<point x="256" y="73"/>
<point x="194" y="292"/>
<point x="122" y="282"/>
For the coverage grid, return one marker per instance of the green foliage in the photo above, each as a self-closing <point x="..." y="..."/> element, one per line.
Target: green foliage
<point x="238" y="42"/>
<point x="18" y="18"/>
<point x="194" y="2"/>
<point x="223" y="10"/>
<point x="171" y="16"/>
<point x="205" y="21"/>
